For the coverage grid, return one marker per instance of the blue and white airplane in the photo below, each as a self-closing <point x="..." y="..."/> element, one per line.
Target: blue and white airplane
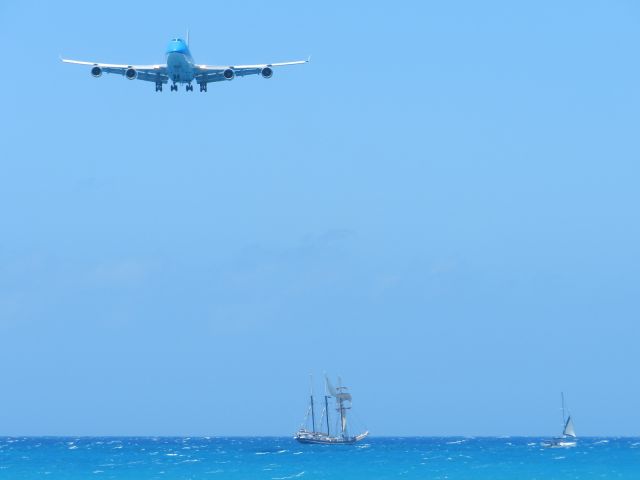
<point x="181" y="69"/>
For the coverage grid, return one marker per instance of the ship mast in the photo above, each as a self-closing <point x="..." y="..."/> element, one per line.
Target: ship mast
<point x="326" y="409"/>
<point x="562" y="396"/>
<point x="327" y="388"/>
<point x="313" y="415"/>
<point x="343" y="423"/>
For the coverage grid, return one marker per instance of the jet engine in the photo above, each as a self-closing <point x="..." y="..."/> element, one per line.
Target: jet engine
<point x="131" y="73"/>
<point x="229" y="74"/>
<point x="266" y="72"/>
<point x="96" y="71"/>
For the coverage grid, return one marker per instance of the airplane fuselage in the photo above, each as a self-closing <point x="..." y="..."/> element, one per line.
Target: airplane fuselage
<point x="180" y="65"/>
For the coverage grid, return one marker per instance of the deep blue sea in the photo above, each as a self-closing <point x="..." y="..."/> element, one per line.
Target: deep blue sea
<point x="283" y="458"/>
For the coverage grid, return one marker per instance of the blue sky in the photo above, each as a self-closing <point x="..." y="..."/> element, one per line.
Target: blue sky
<point x="442" y="208"/>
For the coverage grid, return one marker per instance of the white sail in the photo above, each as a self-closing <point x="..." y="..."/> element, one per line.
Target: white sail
<point x="330" y="388"/>
<point x="343" y="396"/>
<point x="569" y="431"/>
<point x="344" y="423"/>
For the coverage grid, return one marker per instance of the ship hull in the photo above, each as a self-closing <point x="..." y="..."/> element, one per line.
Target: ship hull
<point x="320" y="439"/>
<point x="327" y="441"/>
<point x="559" y="443"/>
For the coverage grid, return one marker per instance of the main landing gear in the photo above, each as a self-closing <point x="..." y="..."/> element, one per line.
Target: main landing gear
<point x="188" y="87"/>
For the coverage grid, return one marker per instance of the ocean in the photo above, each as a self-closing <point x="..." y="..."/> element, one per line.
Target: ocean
<point x="272" y="458"/>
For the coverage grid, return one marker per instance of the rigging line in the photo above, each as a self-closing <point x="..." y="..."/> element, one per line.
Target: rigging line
<point x="306" y="419"/>
<point x="322" y="416"/>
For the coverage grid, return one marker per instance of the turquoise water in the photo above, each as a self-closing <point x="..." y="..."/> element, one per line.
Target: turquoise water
<point x="283" y="458"/>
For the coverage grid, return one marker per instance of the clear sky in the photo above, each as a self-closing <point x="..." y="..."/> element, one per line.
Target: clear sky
<point x="442" y="207"/>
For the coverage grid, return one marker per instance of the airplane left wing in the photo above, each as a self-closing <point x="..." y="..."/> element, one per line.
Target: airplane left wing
<point x="210" y="73"/>
<point x="149" y="73"/>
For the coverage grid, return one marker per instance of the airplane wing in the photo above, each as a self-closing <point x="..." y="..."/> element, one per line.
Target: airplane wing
<point x="149" y="73"/>
<point x="211" y="73"/>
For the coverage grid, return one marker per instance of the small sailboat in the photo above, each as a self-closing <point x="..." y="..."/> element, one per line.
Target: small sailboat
<point x="568" y="438"/>
<point x="340" y="435"/>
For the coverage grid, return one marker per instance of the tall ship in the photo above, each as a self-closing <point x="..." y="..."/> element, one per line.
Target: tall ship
<point x="322" y="432"/>
<point x="568" y="437"/>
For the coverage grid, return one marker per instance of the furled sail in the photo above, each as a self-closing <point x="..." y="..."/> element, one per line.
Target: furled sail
<point x="342" y="393"/>
<point x="569" y="431"/>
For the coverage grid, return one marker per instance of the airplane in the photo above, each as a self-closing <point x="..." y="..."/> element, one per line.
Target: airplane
<point x="181" y="69"/>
